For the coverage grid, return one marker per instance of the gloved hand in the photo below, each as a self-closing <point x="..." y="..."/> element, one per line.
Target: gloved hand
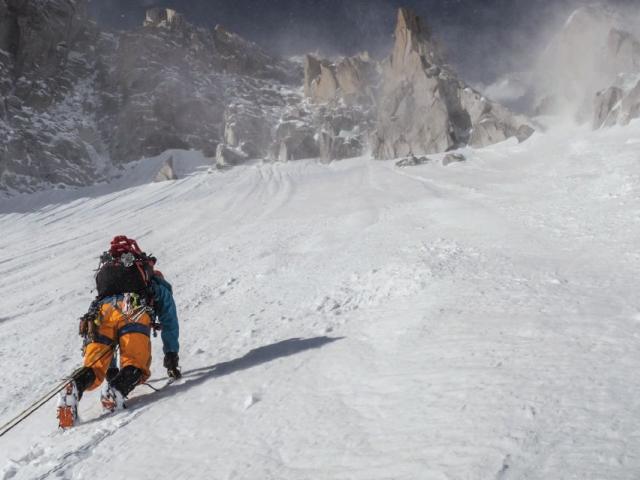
<point x="87" y="326"/>
<point x="88" y="322"/>
<point x="171" y="364"/>
<point x="83" y="327"/>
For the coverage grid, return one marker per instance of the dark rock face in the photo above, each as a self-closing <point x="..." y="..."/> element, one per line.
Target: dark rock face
<point x="295" y="142"/>
<point x="45" y="81"/>
<point x="77" y="101"/>
<point x="184" y="82"/>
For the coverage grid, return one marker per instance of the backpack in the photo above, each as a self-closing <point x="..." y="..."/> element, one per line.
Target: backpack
<point x="124" y="268"/>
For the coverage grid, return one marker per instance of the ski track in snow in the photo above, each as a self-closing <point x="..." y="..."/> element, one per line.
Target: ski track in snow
<point x="351" y="320"/>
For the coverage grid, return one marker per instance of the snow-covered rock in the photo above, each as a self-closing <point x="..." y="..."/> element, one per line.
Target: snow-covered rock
<point x="294" y="141"/>
<point x="338" y="147"/>
<point x="164" y="17"/>
<point x="412" y="161"/>
<point x="229" y="157"/>
<point x="166" y="172"/>
<point x="450" y="158"/>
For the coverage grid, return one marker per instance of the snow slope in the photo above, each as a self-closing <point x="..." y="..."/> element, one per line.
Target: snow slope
<point x="350" y="321"/>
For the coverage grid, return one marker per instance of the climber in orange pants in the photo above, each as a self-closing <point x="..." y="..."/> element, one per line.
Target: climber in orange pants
<point x="131" y="327"/>
<point x="130" y="293"/>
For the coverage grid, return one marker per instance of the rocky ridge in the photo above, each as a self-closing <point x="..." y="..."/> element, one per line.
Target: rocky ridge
<point x="423" y="107"/>
<point x="412" y="102"/>
<point x="79" y="103"/>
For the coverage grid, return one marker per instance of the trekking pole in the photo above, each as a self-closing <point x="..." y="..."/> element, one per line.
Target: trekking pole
<point x="52" y="393"/>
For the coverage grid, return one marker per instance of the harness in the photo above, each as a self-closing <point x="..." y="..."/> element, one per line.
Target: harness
<point x="134" y="308"/>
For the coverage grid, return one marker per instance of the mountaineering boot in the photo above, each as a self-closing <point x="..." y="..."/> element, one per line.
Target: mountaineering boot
<point x="127" y="379"/>
<point x="112" y="372"/>
<point x="114" y="392"/>
<point x="111" y="398"/>
<point x="68" y="405"/>
<point x="70" y="396"/>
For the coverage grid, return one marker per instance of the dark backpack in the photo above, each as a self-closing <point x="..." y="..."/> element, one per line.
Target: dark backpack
<point x="124" y="268"/>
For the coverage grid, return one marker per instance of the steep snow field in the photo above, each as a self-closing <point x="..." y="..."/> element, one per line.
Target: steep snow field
<point x="349" y="321"/>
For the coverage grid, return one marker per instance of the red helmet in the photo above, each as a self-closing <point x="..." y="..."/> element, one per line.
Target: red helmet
<point x="121" y="244"/>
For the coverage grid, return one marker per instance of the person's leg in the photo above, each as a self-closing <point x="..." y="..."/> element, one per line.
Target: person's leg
<point x="98" y="354"/>
<point x="135" y="359"/>
<point x="113" y="369"/>
<point x="97" y="357"/>
<point x="84" y="379"/>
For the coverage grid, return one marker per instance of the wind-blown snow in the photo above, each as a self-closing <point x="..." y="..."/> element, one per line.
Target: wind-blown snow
<point x="351" y="320"/>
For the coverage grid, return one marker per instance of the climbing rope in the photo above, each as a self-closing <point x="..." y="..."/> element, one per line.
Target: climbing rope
<point x="132" y="317"/>
<point x="49" y="395"/>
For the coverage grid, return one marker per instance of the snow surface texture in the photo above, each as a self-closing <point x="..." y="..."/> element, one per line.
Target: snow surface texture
<point x="349" y="321"/>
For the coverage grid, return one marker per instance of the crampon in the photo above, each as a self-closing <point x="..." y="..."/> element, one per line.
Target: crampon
<point x="68" y="406"/>
<point x="111" y="398"/>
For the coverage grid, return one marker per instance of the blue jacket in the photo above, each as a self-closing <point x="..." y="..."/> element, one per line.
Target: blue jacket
<point x="165" y="308"/>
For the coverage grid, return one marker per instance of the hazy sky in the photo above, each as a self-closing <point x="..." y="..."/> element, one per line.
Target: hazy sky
<point x="484" y="38"/>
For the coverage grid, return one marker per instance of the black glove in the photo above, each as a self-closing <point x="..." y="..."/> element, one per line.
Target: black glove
<point x="171" y="364"/>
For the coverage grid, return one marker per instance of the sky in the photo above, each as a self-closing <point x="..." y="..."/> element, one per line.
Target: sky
<point x="483" y="38"/>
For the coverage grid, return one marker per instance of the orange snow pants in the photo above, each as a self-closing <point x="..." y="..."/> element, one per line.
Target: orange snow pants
<point x="131" y="329"/>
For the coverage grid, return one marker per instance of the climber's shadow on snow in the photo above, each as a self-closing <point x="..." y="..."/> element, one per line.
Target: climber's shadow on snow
<point x="257" y="356"/>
